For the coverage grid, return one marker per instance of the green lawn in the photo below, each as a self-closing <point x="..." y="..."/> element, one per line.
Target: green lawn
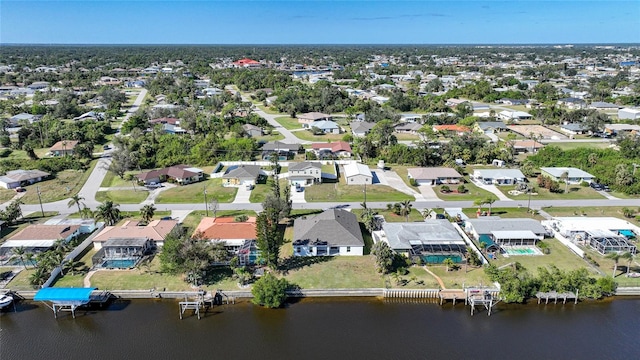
<point x="329" y="169"/>
<point x="389" y="216"/>
<point x="560" y="256"/>
<point x="352" y="193"/>
<point x="260" y="191"/>
<point x="66" y="184"/>
<point x="194" y="193"/>
<point x="6" y="195"/>
<point x="614" y="211"/>
<point x="274" y="136"/>
<point x="575" y="145"/>
<point x="472" y="194"/>
<point x="308" y="136"/>
<point x="574" y="192"/>
<point x="406" y="136"/>
<point x="503" y="212"/>
<point x="21" y="281"/>
<point x="454" y="279"/>
<point x="112" y="180"/>
<point x="289" y="123"/>
<point x="123" y="196"/>
<point x="336" y="273"/>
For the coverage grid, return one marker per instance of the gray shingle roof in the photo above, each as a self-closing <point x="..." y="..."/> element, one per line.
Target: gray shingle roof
<point x="243" y="171"/>
<point x="304" y="165"/>
<point x="335" y="227"/>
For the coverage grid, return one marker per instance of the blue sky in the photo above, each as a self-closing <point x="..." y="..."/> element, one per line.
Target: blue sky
<point x="319" y="22"/>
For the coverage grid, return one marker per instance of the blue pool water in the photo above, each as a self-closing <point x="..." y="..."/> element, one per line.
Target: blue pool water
<point x="119" y="264"/>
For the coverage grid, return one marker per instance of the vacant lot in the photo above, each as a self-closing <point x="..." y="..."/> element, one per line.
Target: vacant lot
<point x="389" y="216"/>
<point x="614" y="211"/>
<point x="335" y="272"/>
<point x="66" y="184"/>
<point x="289" y="123"/>
<point x="308" y="135"/>
<point x="351" y="193"/>
<point x="194" y="193"/>
<point x="123" y="196"/>
<point x="537" y="130"/>
<point x="473" y="193"/>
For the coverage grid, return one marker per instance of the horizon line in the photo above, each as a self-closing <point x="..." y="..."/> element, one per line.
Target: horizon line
<point x="324" y="44"/>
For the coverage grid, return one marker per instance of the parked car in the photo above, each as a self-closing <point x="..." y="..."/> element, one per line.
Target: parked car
<point x="606" y="188"/>
<point x="596" y="186"/>
<point x="20" y="189"/>
<point x="299" y="188"/>
<point x="250" y="187"/>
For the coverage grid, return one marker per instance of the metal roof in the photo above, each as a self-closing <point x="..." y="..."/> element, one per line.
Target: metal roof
<point x="63" y="294"/>
<point x="514" y="234"/>
<point x="403" y="235"/>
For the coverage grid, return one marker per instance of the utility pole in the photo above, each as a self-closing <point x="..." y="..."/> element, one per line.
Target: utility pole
<point x="529" y="203"/>
<point x="365" y="194"/>
<point x="40" y="200"/>
<point x="206" y="206"/>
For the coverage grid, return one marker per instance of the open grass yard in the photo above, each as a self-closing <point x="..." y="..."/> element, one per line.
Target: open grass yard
<point x="20" y="281"/>
<point x="406" y="136"/>
<point x="337" y="272"/>
<point x="623" y="195"/>
<point x="194" y="193"/>
<point x="574" y="192"/>
<point x="569" y="145"/>
<point x="308" y="135"/>
<point x="123" y="196"/>
<point x="328" y="168"/>
<point x="503" y="212"/>
<point x="456" y="278"/>
<point x="6" y="195"/>
<point x="66" y="184"/>
<point x="613" y="211"/>
<point x="352" y="193"/>
<point x="559" y="256"/>
<point x="273" y="136"/>
<point x="260" y="191"/>
<point x="289" y="123"/>
<point x="113" y="180"/>
<point x="416" y="278"/>
<point x="389" y="216"/>
<point x="473" y="193"/>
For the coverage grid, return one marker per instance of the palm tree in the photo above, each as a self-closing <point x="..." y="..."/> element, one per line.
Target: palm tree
<point x="629" y="257"/>
<point x="427" y="213"/>
<point x="86" y="212"/>
<point x="479" y="203"/>
<point x="615" y="257"/>
<point x="108" y="212"/>
<point x="623" y="176"/>
<point x="368" y="217"/>
<point x="76" y="200"/>
<point x="72" y="266"/>
<point x="592" y="159"/>
<point x="565" y="177"/>
<point x="29" y="257"/>
<point x="448" y="262"/>
<point x="20" y="252"/>
<point x="489" y="201"/>
<point x="147" y="213"/>
<point x="406" y="209"/>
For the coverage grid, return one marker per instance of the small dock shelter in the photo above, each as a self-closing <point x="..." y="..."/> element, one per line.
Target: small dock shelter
<point x="69" y="299"/>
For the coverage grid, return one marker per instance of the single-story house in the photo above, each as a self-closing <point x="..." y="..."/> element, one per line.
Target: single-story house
<point x="181" y="174"/>
<point x="490" y="127"/>
<point x="521" y="146"/>
<point x="332" y="232"/>
<point x="629" y="114"/>
<point x="408" y="127"/>
<point x="308" y="119"/>
<point x="128" y="248"/>
<point x="434" y="175"/>
<point x="340" y="149"/>
<point x="63" y="148"/>
<point x="283" y="150"/>
<point x="305" y="173"/>
<point x="572" y="103"/>
<point x="16" y="178"/>
<point x="512" y="231"/>
<point x="226" y="230"/>
<point x="603" y="234"/>
<point x="252" y="130"/>
<point x="155" y="231"/>
<point x="512" y="102"/>
<point x="499" y="176"/>
<point x="514" y="115"/>
<point x="600" y="105"/>
<point x="327" y="127"/>
<point x="457" y="129"/>
<point x="90" y="115"/>
<point x="574" y="175"/>
<point x="361" y="128"/>
<point x="357" y="174"/>
<point x="37" y="238"/>
<point x="433" y="240"/>
<point x="573" y="129"/>
<point x="616" y="129"/>
<point x="16" y="119"/>
<point x="242" y="175"/>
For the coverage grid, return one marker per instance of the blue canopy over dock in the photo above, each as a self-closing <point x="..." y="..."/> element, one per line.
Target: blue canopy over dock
<point x="64" y="299"/>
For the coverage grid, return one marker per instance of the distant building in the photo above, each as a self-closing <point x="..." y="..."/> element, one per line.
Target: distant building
<point x="629" y="114"/>
<point x="180" y="174"/>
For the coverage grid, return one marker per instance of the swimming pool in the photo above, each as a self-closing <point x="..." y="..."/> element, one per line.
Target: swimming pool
<point x="119" y="264"/>
<point x="521" y="251"/>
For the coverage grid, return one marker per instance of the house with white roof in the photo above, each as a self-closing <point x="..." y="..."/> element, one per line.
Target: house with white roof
<point x="357" y="174"/>
<point x="499" y="176"/>
<point x="629" y="114"/>
<point x="574" y="175"/>
<point x="514" y="115"/>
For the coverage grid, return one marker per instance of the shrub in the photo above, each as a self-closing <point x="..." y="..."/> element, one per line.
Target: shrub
<point x="413" y="182"/>
<point x="462" y="189"/>
<point x="445" y="189"/>
<point x="270" y="291"/>
<point x="241" y="218"/>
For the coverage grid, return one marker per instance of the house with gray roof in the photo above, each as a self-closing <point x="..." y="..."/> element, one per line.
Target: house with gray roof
<point x="283" y="150"/>
<point x="16" y="178"/>
<point x="499" y="176"/>
<point x="574" y="175"/>
<point x="433" y="240"/>
<point x="331" y="233"/>
<point x="434" y="175"/>
<point x="512" y="231"/>
<point x="490" y="127"/>
<point x="305" y="173"/>
<point x="326" y="126"/>
<point x="241" y="175"/>
<point x="252" y="130"/>
<point x="573" y="128"/>
<point x="361" y="128"/>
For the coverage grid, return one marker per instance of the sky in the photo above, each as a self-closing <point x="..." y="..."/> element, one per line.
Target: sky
<point x="319" y="22"/>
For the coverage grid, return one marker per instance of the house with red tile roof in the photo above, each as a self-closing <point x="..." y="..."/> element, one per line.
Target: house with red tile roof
<point x="226" y="229"/>
<point x="340" y="149"/>
<point x="247" y="63"/>
<point x="458" y="129"/>
<point x="37" y="238"/>
<point x="63" y="147"/>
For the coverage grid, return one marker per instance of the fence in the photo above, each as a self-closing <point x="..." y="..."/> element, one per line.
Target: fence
<point x="471" y="244"/>
<point x="566" y="242"/>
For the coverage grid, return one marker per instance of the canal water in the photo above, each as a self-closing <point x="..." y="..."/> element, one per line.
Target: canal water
<point x="326" y="329"/>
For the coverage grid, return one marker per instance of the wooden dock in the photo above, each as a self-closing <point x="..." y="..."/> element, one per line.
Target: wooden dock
<point x="451" y="294"/>
<point x="554" y="295"/>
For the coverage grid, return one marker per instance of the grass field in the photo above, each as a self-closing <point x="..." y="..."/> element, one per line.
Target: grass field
<point x="66" y="184"/>
<point x="194" y="193"/>
<point x="6" y="195"/>
<point x="456" y="278"/>
<point x="574" y="192"/>
<point x="112" y="180"/>
<point x="503" y="212"/>
<point x="613" y="211"/>
<point x="336" y="272"/>
<point x="260" y="191"/>
<point x="308" y="136"/>
<point x="406" y="136"/>
<point x="472" y="194"/>
<point x="351" y="193"/>
<point x="21" y="281"/>
<point x="123" y="196"/>
<point x="575" y="145"/>
<point x="289" y="123"/>
<point x="389" y="216"/>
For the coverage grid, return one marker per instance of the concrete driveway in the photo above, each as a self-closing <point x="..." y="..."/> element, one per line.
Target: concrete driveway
<point x="242" y="196"/>
<point x="297" y="197"/>
<point x="428" y="193"/>
<point x="492" y="189"/>
<point x="393" y="180"/>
